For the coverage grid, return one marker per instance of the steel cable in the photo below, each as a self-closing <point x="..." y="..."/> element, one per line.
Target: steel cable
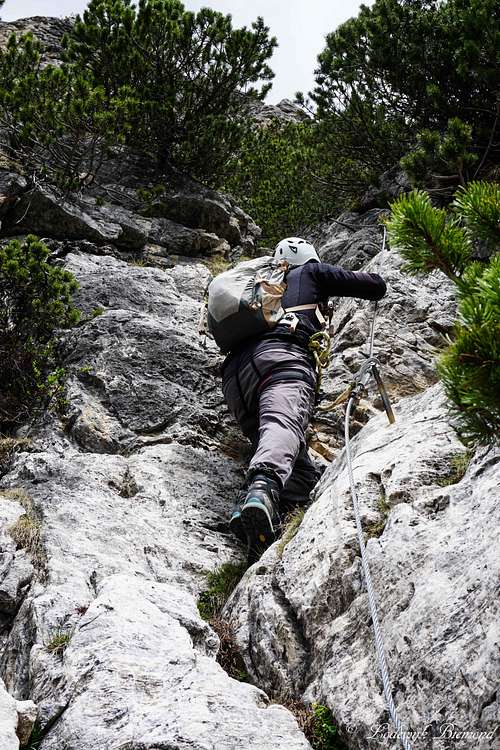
<point x="379" y="646"/>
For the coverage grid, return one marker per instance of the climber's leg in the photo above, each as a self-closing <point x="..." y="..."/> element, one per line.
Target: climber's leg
<point x="243" y="407"/>
<point x="284" y="410"/>
<point x="302" y="480"/>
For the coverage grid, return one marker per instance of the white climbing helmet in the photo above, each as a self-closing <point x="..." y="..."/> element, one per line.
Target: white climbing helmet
<point x="295" y="250"/>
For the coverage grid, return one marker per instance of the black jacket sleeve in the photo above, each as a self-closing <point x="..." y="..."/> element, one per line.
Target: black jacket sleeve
<point x="334" y="281"/>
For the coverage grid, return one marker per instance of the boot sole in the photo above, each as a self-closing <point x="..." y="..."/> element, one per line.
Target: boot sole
<point x="258" y="526"/>
<point x="237" y="529"/>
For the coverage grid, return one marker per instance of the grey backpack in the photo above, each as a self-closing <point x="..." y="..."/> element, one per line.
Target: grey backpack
<point x="246" y="301"/>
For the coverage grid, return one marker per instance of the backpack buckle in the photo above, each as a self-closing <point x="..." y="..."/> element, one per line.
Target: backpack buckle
<point x="291" y="320"/>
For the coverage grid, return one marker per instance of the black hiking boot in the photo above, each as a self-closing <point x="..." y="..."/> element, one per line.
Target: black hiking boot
<point x="259" y="515"/>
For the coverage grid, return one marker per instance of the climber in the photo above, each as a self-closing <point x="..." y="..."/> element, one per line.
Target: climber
<point x="269" y="385"/>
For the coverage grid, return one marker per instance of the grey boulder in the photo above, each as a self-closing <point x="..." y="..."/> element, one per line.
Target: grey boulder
<point x="301" y="614"/>
<point x="133" y="489"/>
<point x="16" y="720"/>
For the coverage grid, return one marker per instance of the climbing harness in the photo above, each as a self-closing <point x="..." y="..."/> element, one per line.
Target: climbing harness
<point x="367" y="369"/>
<point x="320" y="343"/>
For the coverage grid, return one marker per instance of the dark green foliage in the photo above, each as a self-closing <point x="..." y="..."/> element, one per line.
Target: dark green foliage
<point x="36" y="300"/>
<point x="415" y="80"/>
<point x="221" y="584"/>
<point x="425" y="60"/>
<point x="324" y="731"/>
<point x="163" y="81"/>
<point x="53" y="119"/>
<point x="36" y="737"/>
<point x="470" y="367"/>
<point x="387" y="85"/>
<point x="403" y="67"/>
<point x="479" y="207"/>
<point x="442" y="162"/>
<point x="177" y="76"/>
<point x="273" y="178"/>
<point x="315" y="721"/>
<point x="357" y="142"/>
<point x="429" y="238"/>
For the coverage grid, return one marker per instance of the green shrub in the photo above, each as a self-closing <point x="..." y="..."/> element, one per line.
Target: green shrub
<point x="166" y="82"/>
<point x="415" y="81"/>
<point x="324" y="731"/>
<point x="274" y="177"/>
<point x="428" y="238"/>
<point x="54" y="120"/>
<point x="36" y="301"/>
<point x="59" y="642"/>
<point x="400" y="68"/>
<point x="292" y="524"/>
<point x="470" y="367"/>
<point x="315" y="721"/>
<point x="178" y="77"/>
<point x="442" y="162"/>
<point x="431" y="238"/>
<point x="221" y="584"/>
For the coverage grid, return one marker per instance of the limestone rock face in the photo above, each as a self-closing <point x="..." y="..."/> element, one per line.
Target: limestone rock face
<point x="412" y="321"/>
<point x="16" y="570"/>
<point x="284" y="112"/>
<point x="351" y="240"/>
<point x="391" y="185"/>
<point x="11" y="186"/>
<point x="16" y="720"/>
<point x="134" y="495"/>
<point x="43" y="211"/>
<point x="301" y="615"/>
<point x="128" y="492"/>
<point x="49" y="31"/>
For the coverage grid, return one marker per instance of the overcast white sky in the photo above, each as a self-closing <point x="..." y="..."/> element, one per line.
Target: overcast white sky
<point x="299" y="25"/>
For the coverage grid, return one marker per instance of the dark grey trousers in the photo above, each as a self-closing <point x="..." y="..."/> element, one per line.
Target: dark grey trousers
<point x="269" y="389"/>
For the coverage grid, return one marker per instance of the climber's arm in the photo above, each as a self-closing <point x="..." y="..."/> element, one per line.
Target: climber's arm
<point x="335" y="281"/>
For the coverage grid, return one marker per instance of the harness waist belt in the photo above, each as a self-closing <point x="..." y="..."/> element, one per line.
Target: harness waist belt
<point x="315" y="307"/>
<point x="300" y="307"/>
